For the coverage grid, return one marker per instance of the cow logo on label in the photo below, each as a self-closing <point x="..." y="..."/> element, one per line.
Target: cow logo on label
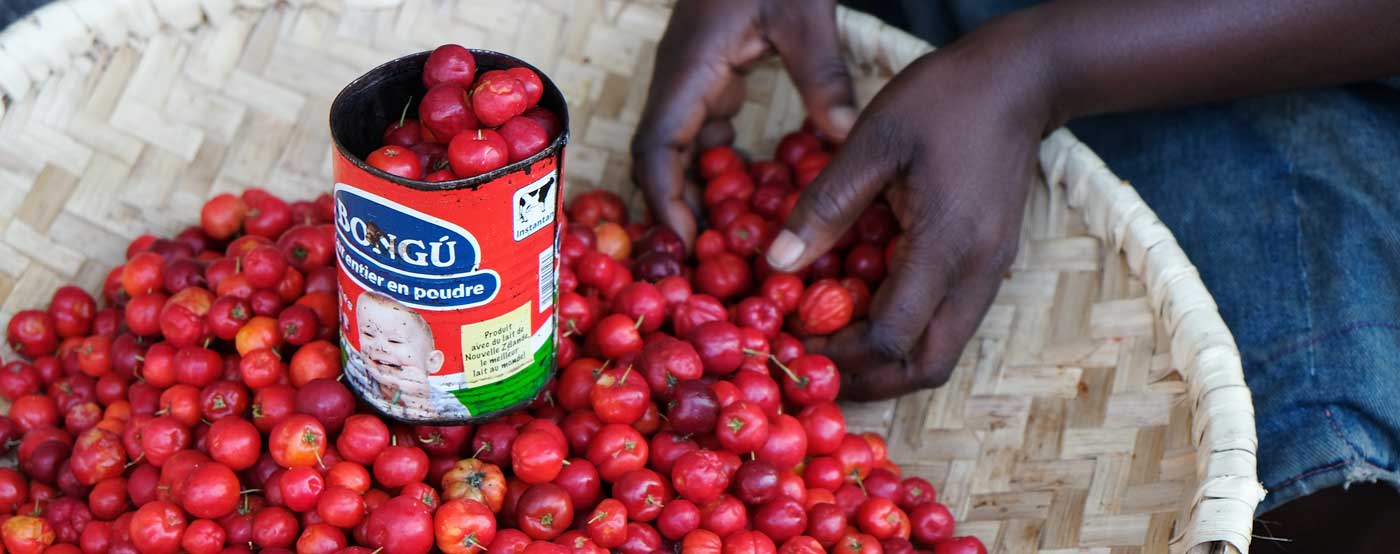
<point x="412" y="257"/>
<point x="533" y="206"/>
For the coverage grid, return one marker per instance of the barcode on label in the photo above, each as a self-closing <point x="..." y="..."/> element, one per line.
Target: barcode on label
<point x="546" y="279"/>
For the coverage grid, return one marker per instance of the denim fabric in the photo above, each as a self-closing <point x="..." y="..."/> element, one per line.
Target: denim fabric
<point x="12" y="10"/>
<point x="1290" y="206"/>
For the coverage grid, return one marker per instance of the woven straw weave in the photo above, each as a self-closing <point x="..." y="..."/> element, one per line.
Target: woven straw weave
<point x="1101" y="408"/>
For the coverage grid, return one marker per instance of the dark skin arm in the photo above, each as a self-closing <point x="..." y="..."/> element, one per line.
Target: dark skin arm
<point x="952" y="140"/>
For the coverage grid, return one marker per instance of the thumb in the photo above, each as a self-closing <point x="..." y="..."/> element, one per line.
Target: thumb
<point x="808" y="45"/>
<point x="833" y="202"/>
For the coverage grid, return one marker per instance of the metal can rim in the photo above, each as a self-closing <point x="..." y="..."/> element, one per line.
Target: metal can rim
<point x="341" y="101"/>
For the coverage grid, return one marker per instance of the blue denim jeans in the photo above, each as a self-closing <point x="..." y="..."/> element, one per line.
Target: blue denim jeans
<point x="1290" y="206"/>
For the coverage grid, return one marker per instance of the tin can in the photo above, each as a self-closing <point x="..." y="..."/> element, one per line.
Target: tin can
<point x="447" y="290"/>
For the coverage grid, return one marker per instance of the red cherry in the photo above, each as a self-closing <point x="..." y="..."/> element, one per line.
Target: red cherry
<point x="547" y="120"/>
<point x="725" y="276"/>
<point x="396" y="160"/>
<point x="811" y="379"/>
<point x="915" y="492"/>
<point x="431" y="155"/>
<point x="620" y="395"/>
<point x="404" y="133"/>
<point x="787" y="442"/>
<point x="667" y="362"/>
<point x="931" y="523"/>
<point x="451" y="64"/>
<point x="475" y="153"/>
<point x="742" y="427"/>
<point x="718" y="344"/>
<point x="960" y="545"/>
<point x="446" y="112"/>
<point x="824" y="308"/>
<point x="440" y="176"/>
<point x="498" y="96"/>
<point x="537" y="456"/>
<point x="617" y="336"/>
<point x="524" y="137"/>
<point x="717" y="160"/>
<point x="534" y="87"/>
<point x="700" y="476"/>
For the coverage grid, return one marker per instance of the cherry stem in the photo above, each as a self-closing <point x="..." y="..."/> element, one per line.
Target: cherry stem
<point x="799" y="380"/>
<point x="484" y="447"/>
<point x="598" y="517"/>
<point x="249" y="491"/>
<point x="625" y="373"/>
<point x="135" y="461"/>
<point x="859" y="482"/>
<point x="403" y="116"/>
<point x="640" y="319"/>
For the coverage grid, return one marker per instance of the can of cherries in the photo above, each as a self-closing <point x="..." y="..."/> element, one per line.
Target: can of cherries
<point x="448" y="173"/>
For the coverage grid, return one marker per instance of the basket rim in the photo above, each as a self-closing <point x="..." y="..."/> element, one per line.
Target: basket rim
<point x="46" y="42"/>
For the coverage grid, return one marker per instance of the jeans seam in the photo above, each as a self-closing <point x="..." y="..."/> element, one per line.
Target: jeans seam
<point x="1303" y="270"/>
<point x="1309" y="473"/>
<point x="1311" y="340"/>
<point x="1337" y="430"/>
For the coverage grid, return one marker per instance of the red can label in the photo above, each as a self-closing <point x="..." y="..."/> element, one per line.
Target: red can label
<point x="447" y="295"/>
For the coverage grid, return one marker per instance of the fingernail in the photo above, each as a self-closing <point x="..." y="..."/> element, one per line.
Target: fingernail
<point x="785" y="250"/>
<point x="842" y="117"/>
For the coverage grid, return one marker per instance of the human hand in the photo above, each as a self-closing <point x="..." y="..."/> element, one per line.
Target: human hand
<point x="952" y="142"/>
<point x="697" y="87"/>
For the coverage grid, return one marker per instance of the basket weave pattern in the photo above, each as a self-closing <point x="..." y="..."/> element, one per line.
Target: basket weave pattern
<point x="1101" y="407"/>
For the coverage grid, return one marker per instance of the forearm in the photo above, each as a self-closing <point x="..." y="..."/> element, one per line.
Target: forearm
<point x="1116" y="56"/>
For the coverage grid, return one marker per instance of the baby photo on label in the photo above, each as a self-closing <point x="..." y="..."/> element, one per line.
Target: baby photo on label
<point x="398" y="355"/>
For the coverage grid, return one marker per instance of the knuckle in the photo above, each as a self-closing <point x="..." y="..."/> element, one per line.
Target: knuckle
<point x="881" y="132"/>
<point x="931" y="377"/>
<point x="1003" y="253"/>
<point x="888" y="341"/>
<point x="825" y="71"/>
<point x="646" y="142"/>
<point x="995" y="246"/>
<point x="825" y="205"/>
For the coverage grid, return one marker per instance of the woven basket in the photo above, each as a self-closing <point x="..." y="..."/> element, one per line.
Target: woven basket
<point x="1101" y="407"/>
